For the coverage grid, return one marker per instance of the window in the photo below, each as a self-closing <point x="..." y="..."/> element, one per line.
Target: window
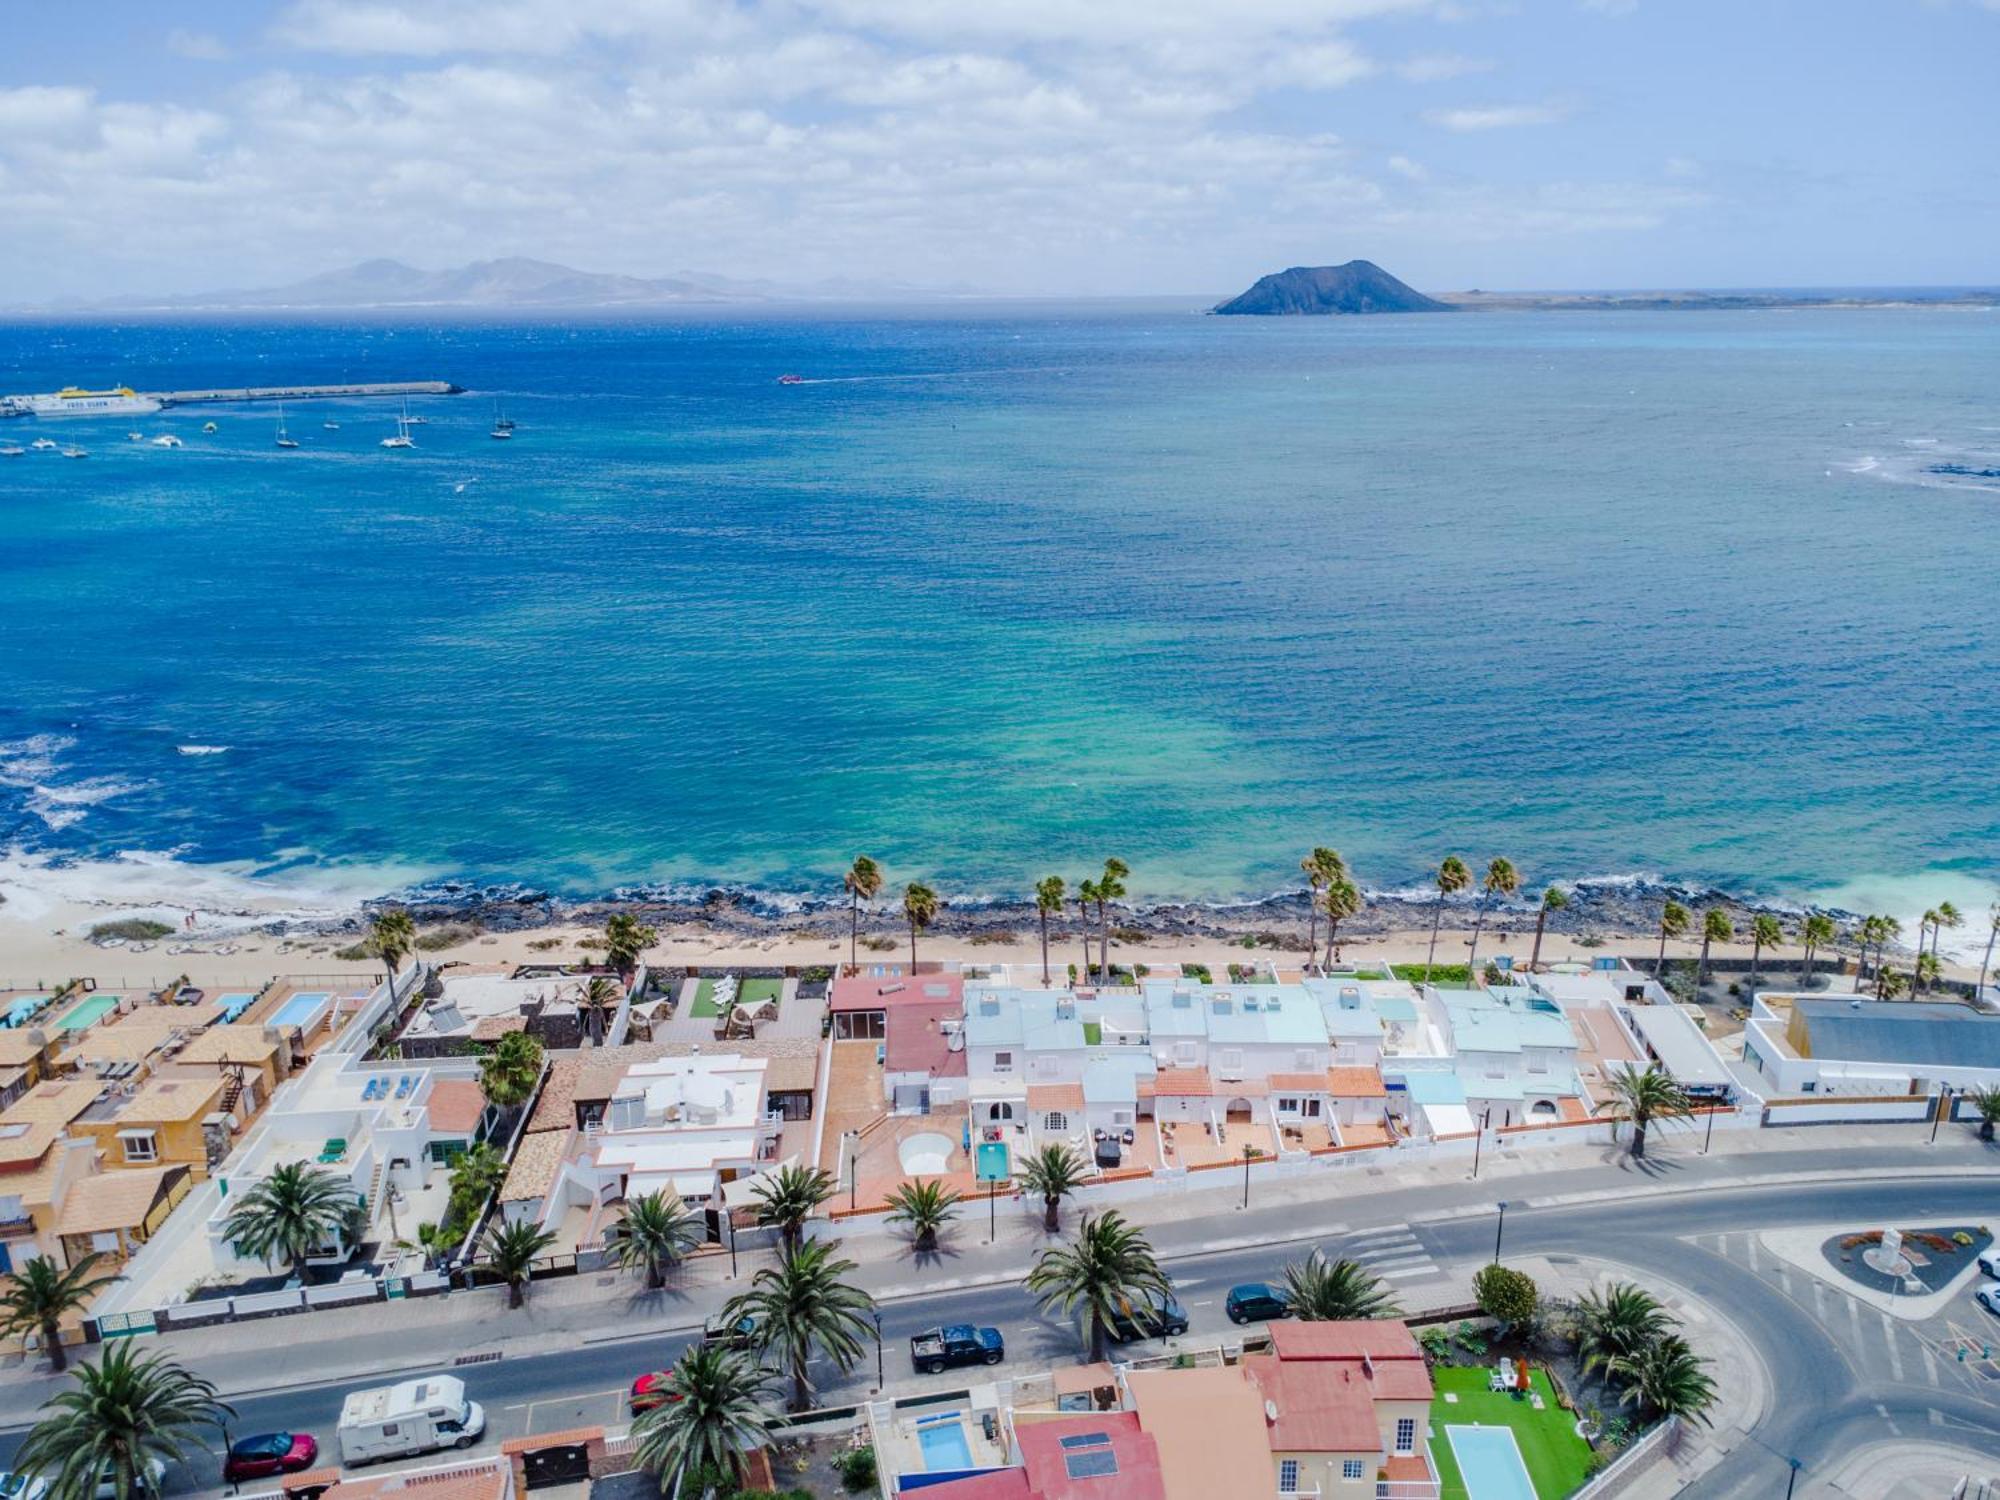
<point x="1287" y="1105"/>
<point x="1184" y="1054"/>
<point x="1312" y="1109"/>
<point x="1121" y="1117"/>
<point x="1047" y="1066"/>
<point x="1406" y="1434"/>
<point x="1538" y="1062"/>
<point x="1352" y="1468"/>
<point x="1055" y="1120"/>
<point x="1230" y="1060"/>
<point x="1003" y="1062"/>
<point x="139" y="1145"/>
<point x="1288" y="1476"/>
<point x="105" y="1244"/>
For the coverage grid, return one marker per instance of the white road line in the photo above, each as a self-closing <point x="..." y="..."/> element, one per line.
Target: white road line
<point x="1819" y="1299"/>
<point x="1209" y="1303"/>
<point x="1750" y="1244"/>
<point x="1930" y="1362"/>
<point x="1854" y="1317"/>
<point x="1784" y="1279"/>
<point x="1883" y="1412"/>
<point x="1383" y="1264"/>
<point x="1414" y="1273"/>
<point x="1895" y="1352"/>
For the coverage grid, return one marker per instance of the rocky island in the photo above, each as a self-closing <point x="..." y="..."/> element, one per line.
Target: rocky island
<point x="1360" y="286"/>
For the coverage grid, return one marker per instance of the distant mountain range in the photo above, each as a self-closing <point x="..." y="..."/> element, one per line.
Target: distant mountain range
<point x="515" y="282"/>
<point x="1360" y="286"/>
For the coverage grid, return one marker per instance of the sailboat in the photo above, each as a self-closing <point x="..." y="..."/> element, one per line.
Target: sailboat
<point x="285" y="439"/>
<point x="501" y="422"/>
<point x="402" y="439"/>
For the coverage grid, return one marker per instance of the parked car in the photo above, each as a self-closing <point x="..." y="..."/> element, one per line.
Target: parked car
<point x="649" y="1392"/>
<point x="34" y="1487"/>
<point x="1256" y="1302"/>
<point x="740" y="1334"/>
<point x="270" y="1453"/>
<point x="1988" y="1297"/>
<point x="956" y="1344"/>
<point x="1989" y="1262"/>
<point x="1152" y="1317"/>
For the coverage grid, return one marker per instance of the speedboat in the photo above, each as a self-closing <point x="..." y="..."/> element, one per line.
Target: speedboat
<point x="330" y="425"/>
<point x="167" y="440"/>
<point x="42" y="444"/>
<point x="134" y="437"/>
<point x="791" y="380"/>
<point x="208" y="427"/>
<point x="12" y="450"/>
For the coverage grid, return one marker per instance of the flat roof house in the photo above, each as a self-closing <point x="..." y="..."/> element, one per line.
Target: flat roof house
<point x="1807" y="1045"/>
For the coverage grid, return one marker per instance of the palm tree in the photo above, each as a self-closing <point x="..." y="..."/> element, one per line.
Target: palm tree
<point x="1617" y="1323"/>
<point x="1986" y="963"/>
<point x="1049" y="895"/>
<point x="788" y="1197"/>
<point x="599" y="999"/>
<point x="1343" y="900"/>
<point x="1947" y="916"/>
<point x="863" y="882"/>
<point x="1322" y="867"/>
<point x="715" y="1411"/>
<point x="1987" y="1101"/>
<point x="1452" y="877"/>
<point x="1715" y="928"/>
<point x="625" y="938"/>
<point x="508" y="1074"/>
<point x="803" y="1306"/>
<point x="920" y="907"/>
<point x="1674" y="920"/>
<point x="289" y="1215"/>
<point x="1766" y="931"/>
<point x="1553" y="899"/>
<point x="1890" y="983"/>
<point x="1643" y="1098"/>
<point x="1108" y="1267"/>
<point x="1927" y="973"/>
<point x="1086" y="893"/>
<point x="1053" y="1172"/>
<point x="475" y="1177"/>
<point x="128" y="1415"/>
<point x="511" y="1253"/>
<point x="655" y="1233"/>
<point x="1815" y="934"/>
<point x="1109" y="888"/>
<point x="1666" y="1376"/>
<point x="42" y="1294"/>
<point x="392" y="937"/>
<point x="1501" y="879"/>
<point x="1322" y="1291"/>
<point x="926" y="1206"/>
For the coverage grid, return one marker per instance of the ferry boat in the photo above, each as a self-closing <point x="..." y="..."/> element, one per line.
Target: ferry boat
<point x="75" y="401"/>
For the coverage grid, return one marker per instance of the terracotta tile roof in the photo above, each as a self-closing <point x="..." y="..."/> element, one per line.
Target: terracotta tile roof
<point x="555" y="1109"/>
<point x="489" y="1480"/>
<point x="114" y="1200"/>
<point x="52" y="1102"/>
<point x="1356" y="1083"/>
<point x="455" y="1106"/>
<point x="1182" y="1083"/>
<point x="228" y="1044"/>
<point x="1394" y="1368"/>
<point x="1137" y="1453"/>
<point x="1305" y="1083"/>
<point x="1044" y="1096"/>
<point x="1573" y="1109"/>
<point x="536" y="1163"/>
<point x="1322" y="1408"/>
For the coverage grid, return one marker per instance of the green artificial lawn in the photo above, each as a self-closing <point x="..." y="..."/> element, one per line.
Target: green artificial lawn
<point x="749" y="992"/>
<point x="1448" y="976"/>
<point x="1093" y="1034"/>
<point x="1558" y="1460"/>
<point x="704" y="999"/>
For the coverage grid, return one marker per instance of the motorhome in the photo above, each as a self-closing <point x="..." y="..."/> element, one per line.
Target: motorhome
<point x="414" y="1416"/>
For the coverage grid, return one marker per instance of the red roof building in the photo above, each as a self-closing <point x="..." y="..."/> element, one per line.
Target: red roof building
<point x="1344" y="1402"/>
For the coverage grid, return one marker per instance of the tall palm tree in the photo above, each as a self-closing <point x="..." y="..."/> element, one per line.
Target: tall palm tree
<point x="1052" y="1173"/>
<point x="1322" y="867"/>
<point x="920" y="908"/>
<point x="1108" y="1267"/>
<point x="392" y="937"/>
<point x="1086" y="895"/>
<point x="42" y="1294"/>
<point x="1555" y="898"/>
<point x="1643" y="1098"/>
<point x="1948" y="916"/>
<point x="508" y="1074"/>
<point x="716" y="1410"/>
<point x="657" y="1231"/>
<point x="1452" y="877"/>
<point x="1502" y="879"/>
<point x="1674" y="920"/>
<point x="289" y="1214"/>
<point x="1318" y="1290"/>
<point x="1109" y="888"/>
<point x="863" y="882"/>
<point x="598" y="1001"/>
<point x="1814" y="934"/>
<point x="926" y="1205"/>
<point x="1666" y="1376"/>
<point x="1766" y="931"/>
<point x="804" y="1306"/>
<point x="1715" y="928"/>
<point x="788" y="1197"/>
<point x="1927" y="973"/>
<point x="1616" y="1323"/>
<point x="511" y="1251"/>
<point x="128" y="1415"/>
<point x="1049" y="895"/>
<point x="1343" y="900"/>
<point x="1986" y="962"/>
<point x="625" y="938"/>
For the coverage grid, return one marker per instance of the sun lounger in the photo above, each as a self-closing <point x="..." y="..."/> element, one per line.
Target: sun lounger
<point x="334" y="1149"/>
<point x="1502" y="1379"/>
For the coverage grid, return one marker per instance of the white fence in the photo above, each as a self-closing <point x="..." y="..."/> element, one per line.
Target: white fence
<point x="1626" y="1468"/>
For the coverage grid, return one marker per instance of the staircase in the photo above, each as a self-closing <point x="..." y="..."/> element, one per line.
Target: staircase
<point x="374" y="1200"/>
<point x="232" y="1094"/>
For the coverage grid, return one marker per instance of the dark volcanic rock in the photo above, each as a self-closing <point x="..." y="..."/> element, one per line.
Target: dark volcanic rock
<point x="1360" y="286"/>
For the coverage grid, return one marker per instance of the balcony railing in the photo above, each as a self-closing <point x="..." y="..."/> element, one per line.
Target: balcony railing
<point x="17" y="1224"/>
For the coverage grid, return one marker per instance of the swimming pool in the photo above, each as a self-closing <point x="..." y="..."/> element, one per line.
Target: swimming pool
<point x="1489" y="1460"/>
<point x="945" y="1447"/>
<point x="21" y="1009"/>
<point x="90" y="1010"/>
<point x="302" y="1011"/>
<point x="233" y="1005"/>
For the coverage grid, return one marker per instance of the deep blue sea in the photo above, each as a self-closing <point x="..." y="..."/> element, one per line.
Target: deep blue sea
<point x="1003" y="590"/>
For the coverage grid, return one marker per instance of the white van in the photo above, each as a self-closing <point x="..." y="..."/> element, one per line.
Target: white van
<point x="415" y="1416"/>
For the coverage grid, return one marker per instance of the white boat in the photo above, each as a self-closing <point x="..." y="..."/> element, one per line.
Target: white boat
<point x="208" y="427"/>
<point x="285" y="439"/>
<point x="75" y="401"/>
<point x="74" y="452"/>
<point x="167" y="440"/>
<point x="43" y="443"/>
<point x="402" y="439"/>
<point x="330" y="425"/>
<point x="501" y="421"/>
<point x="135" y="437"/>
<point x="500" y="432"/>
<point x="12" y="450"/>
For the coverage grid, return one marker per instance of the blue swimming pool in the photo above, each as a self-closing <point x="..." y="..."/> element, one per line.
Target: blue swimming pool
<point x="21" y="1009"/>
<point x="945" y="1446"/>
<point x="301" y="1010"/>
<point x="233" y="1005"/>
<point x="1489" y="1460"/>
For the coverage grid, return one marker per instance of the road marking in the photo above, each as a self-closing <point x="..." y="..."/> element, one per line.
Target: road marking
<point x="1784" y="1279"/>
<point x="1895" y="1350"/>
<point x="1750" y="1246"/>
<point x="1930" y="1362"/>
<point x="1390" y="1263"/>
<point x="1209" y="1303"/>
<point x="1854" y="1317"/>
<point x="1883" y="1412"/>
<point x="1414" y="1273"/>
<point x="1819" y="1299"/>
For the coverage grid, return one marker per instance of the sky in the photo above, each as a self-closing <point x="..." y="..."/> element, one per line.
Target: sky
<point x="1023" y="147"/>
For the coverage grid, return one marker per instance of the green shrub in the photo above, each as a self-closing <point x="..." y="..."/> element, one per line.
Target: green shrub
<point x="1129" y="935"/>
<point x="450" y="935"/>
<point x="1506" y="1294"/>
<point x="857" y="1469"/>
<point x="1197" y="971"/>
<point x="544" y="945"/>
<point x="354" y="953"/>
<point x="987" y="939"/>
<point x="1455" y="975"/>
<point x="880" y="943"/>
<point x="132" y="929"/>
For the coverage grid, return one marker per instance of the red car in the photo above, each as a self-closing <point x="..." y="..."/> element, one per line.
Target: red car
<point x="650" y="1392"/>
<point x="269" y="1453"/>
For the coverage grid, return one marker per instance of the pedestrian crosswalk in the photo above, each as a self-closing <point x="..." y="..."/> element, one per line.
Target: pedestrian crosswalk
<point x="1394" y="1253"/>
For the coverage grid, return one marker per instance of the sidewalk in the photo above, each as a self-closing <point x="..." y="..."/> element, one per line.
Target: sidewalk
<point x="383" y="1338"/>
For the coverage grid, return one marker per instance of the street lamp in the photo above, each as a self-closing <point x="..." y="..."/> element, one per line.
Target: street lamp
<point x="729" y="1214"/>
<point x="1794" y="1479"/>
<point x="1249" y="1155"/>
<point x="1498" y="1230"/>
<point x="1709" y="1134"/>
<point x="879" y="1380"/>
<point x="1479" y="1139"/>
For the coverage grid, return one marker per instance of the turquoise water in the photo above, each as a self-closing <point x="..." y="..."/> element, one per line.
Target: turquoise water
<point x="1007" y="590"/>
<point x="945" y="1447"/>
<point x="299" y="1010"/>
<point x="1489" y="1460"/>
<point x="87" y="1012"/>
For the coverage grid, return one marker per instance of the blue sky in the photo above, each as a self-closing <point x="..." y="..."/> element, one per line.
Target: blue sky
<point x="1022" y="146"/>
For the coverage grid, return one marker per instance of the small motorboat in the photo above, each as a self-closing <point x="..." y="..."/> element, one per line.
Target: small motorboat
<point x="330" y="425"/>
<point x="135" y="437"/>
<point x="167" y="440"/>
<point x="75" y="452"/>
<point x="791" y="380"/>
<point x="208" y="427"/>
<point x="42" y="445"/>
<point x="12" y="450"/>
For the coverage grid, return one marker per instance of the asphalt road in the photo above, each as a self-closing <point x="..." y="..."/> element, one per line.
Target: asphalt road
<point x="1827" y="1404"/>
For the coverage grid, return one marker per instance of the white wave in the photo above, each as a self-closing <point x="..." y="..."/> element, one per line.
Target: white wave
<point x="201" y="749"/>
<point x="1908" y="897"/>
<point x="34" y="759"/>
<point x="61" y="806"/>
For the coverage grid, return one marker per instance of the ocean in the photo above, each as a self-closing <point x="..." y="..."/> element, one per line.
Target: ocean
<point x="997" y="591"/>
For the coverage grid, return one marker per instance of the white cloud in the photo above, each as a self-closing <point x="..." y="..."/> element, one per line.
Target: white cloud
<point x="1415" y="171"/>
<point x="1496" y="116"/>
<point x="1440" y="66"/>
<point x="197" y="46"/>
